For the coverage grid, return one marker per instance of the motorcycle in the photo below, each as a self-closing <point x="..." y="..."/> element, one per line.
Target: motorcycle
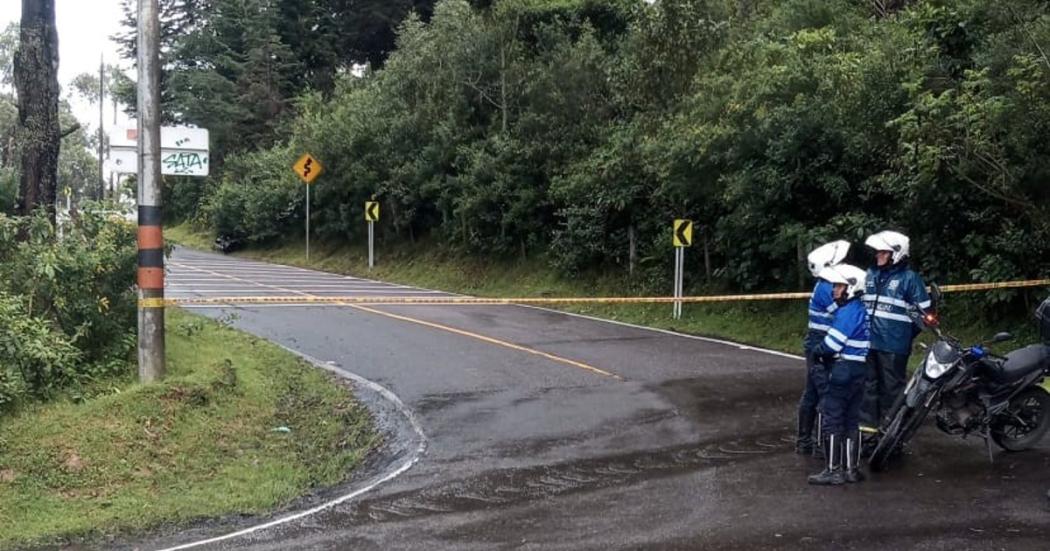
<point x="226" y="243"/>
<point x="973" y="391"/>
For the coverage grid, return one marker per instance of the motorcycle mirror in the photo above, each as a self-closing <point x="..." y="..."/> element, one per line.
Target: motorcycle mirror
<point x="935" y="295"/>
<point x="1002" y="337"/>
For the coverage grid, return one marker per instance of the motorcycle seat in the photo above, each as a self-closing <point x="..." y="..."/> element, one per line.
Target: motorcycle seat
<point x="1024" y="361"/>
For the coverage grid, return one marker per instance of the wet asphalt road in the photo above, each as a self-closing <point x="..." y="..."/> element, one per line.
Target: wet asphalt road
<point x="614" y="438"/>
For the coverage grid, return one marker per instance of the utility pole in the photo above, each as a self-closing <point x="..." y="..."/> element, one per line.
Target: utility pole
<point x="150" y="235"/>
<point x="101" y="103"/>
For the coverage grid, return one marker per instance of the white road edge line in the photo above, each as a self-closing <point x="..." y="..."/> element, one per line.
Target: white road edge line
<point x="669" y="332"/>
<point x="406" y="465"/>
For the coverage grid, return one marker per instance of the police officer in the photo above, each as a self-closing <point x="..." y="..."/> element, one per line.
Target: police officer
<point x="821" y="308"/>
<point x="845" y="347"/>
<point x="892" y="290"/>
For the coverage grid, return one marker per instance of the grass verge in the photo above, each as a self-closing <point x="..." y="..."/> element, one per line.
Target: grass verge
<point x="201" y="444"/>
<point x="777" y="325"/>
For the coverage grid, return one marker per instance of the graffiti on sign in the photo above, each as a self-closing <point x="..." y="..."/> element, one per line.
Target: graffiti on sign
<point x="183" y="162"/>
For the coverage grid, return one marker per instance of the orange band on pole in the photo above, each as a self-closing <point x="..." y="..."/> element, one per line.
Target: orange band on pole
<point x="151" y="278"/>
<point x="150" y="237"/>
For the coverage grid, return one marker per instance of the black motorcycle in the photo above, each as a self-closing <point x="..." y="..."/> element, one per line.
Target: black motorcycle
<point x="972" y="391"/>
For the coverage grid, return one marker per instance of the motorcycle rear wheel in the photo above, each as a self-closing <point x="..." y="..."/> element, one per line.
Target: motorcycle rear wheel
<point x="1025" y="421"/>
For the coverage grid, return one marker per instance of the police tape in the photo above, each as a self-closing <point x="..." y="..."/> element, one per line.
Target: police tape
<point x="964" y="287"/>
<point x="460" y="300"/>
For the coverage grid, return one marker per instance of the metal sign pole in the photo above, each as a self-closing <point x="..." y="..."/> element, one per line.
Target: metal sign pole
<point x="307" y="222"/>
<point x="677" y="266"/>
<point x="681" y="280"/>
<point x="371" y="244"/>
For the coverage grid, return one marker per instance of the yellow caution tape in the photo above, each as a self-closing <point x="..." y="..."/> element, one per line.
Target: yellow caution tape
<point x="153" y="303"/>
<point x="457" y="300"/>
<point x="993" y="286"/>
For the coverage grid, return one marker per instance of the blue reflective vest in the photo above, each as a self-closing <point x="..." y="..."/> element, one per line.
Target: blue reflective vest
<point x="889" y="295"/>
<point x="822" y="308"/>
<point x="848" y="338"/>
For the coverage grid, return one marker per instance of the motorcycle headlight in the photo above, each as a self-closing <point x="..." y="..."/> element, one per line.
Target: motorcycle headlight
<point x="935" y="368"/>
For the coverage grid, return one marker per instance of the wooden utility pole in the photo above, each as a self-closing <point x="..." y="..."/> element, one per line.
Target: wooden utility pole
<point x="36" y="80"/>
<point x="101" y="135"/>
<point x="150" y="234"/>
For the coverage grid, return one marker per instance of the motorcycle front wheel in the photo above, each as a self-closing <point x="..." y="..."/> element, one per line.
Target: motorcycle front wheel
<point x="1025" y="421"/>
<point x="900" y="430"/>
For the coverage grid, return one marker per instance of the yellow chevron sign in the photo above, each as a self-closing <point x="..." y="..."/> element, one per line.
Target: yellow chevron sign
<point x="683" y="233"/>
<point x="372" y="211"/>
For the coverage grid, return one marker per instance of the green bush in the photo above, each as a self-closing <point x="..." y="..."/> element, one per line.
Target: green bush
<point x="35" y="357"/>
<point x="259" y="197"/>
<point x="67" y="304"/>
<point x="8" y="189"/>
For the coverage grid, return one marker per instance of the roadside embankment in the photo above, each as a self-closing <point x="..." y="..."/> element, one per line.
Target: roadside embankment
<point x="239" y="426"/>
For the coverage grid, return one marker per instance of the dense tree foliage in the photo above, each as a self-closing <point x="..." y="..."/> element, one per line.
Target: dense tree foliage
<point x="577" y="129"/>
<point x="236" y="66"/>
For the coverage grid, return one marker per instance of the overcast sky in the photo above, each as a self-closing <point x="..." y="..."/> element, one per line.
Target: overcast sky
<point x="84" y="31"/>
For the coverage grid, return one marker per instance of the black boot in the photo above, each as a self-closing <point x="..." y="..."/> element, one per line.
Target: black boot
<point x="853" y="473"/>
<point x="832" y="475"/>
<point x="804" y="440"/>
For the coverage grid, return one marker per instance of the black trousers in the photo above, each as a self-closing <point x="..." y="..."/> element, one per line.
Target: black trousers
<point x="887" y="374"/>
<point x="816" y="387"/>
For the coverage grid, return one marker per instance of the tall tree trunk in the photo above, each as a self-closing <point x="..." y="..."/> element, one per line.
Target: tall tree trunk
<point x="503" y="87"/>
<point x="632" y="249"/>
<point x="800" y="254"/>
<point x="707" y="255"/>
<point x="36" y="79"/>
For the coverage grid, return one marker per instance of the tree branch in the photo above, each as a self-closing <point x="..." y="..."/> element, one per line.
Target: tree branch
<point x="70" y="130"/>
<point x="483" y="94"/>
<point x="1028" y="33"/>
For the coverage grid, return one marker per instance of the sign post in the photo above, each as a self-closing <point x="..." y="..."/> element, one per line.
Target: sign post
<point x="307" y="169"/>
<point x="372" y="216"/>
<point x="682" y="238"/>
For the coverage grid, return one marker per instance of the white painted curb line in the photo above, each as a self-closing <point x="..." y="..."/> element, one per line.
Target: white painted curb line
<point x="669" y="332"/>
<point x="406" y="465"/>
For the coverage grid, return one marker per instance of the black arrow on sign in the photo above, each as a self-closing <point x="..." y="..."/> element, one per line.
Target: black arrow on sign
<point x="680" y="232"/>
<point x="306" y="167"/>
<point x="372" y="214"/>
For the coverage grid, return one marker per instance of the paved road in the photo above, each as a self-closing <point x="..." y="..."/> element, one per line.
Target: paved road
<point x="553" y="431"/>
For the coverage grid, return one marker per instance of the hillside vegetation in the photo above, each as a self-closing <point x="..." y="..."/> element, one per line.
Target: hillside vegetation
<point x="574" y="131"/>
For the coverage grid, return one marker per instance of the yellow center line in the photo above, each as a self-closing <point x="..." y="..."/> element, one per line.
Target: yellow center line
<point x="489" y="340"/>
<point x="433" y="325"/>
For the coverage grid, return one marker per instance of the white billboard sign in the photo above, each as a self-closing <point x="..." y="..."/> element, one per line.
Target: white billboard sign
<point x="183" y="151"/>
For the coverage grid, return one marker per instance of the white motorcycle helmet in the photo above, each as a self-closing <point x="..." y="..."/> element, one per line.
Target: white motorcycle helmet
<point x="846" y="274"/>
<point x="827" y="255"/>
<point x="894" y="242"/>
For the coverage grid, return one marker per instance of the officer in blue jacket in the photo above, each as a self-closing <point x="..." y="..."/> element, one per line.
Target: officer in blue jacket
<point x="892" y="291"/>
<point x="845" y="347"/>
<point x="821" y="309"/>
